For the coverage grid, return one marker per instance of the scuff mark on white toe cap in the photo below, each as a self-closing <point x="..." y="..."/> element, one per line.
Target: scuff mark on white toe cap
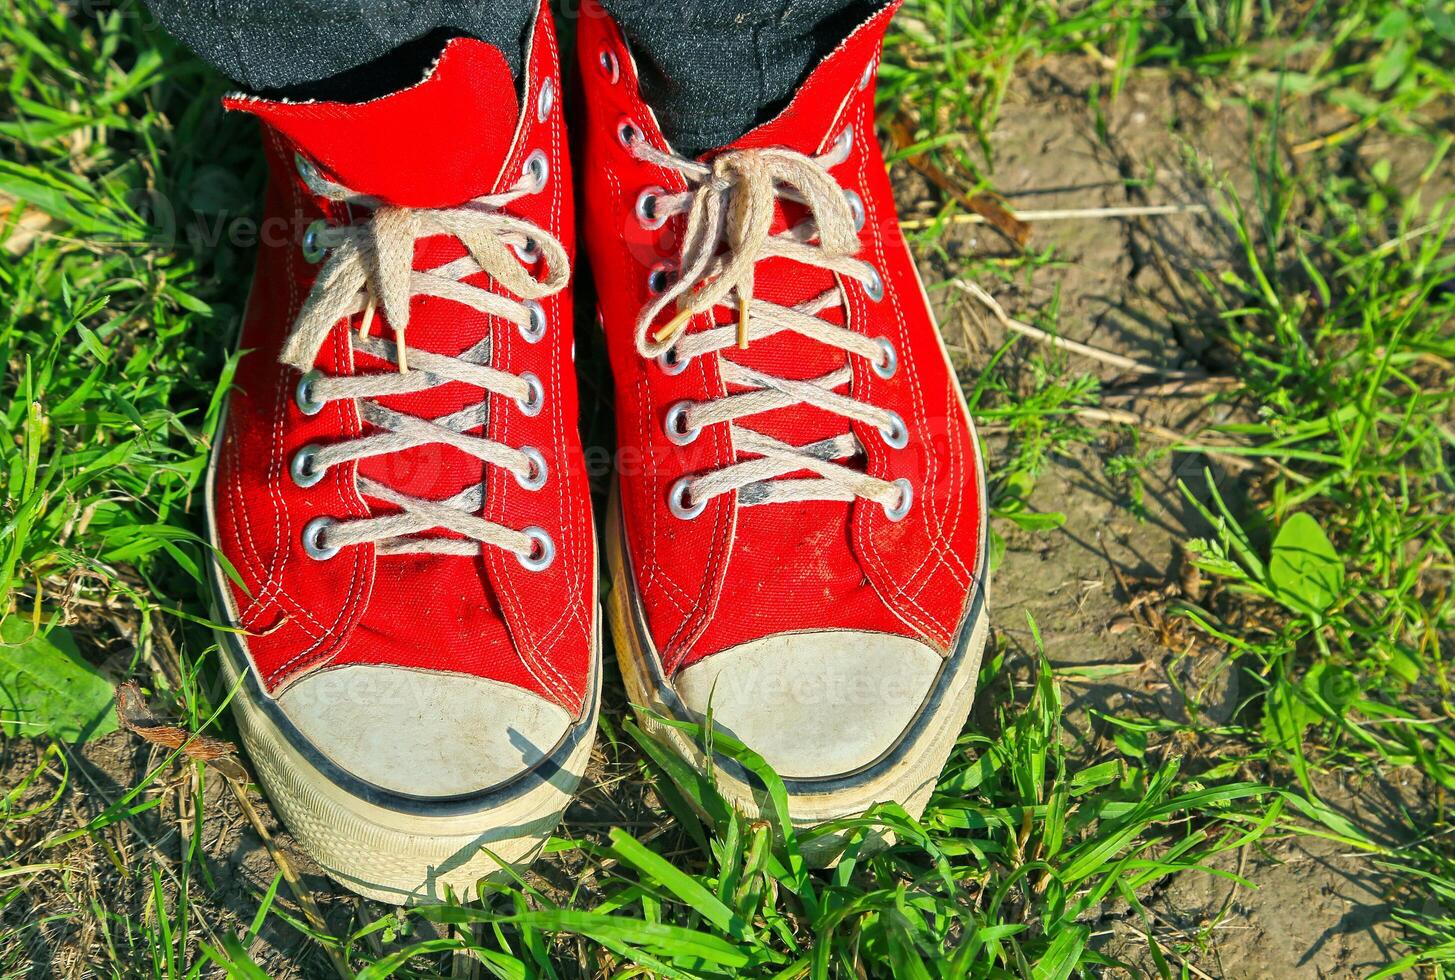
<point x="816" y="704"/>
<point x="423" y="733"/>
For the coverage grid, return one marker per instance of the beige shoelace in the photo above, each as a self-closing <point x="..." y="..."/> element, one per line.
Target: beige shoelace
<point x="729" y="223"/>
<point x="372" y="262"/>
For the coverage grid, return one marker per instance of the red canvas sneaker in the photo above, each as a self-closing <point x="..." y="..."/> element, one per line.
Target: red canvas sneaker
<point x="799" y="535"/>
<point x="399" y="492"/>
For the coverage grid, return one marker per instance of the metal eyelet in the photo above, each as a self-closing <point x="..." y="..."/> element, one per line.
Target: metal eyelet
<point x="302" y="467"/>
<point x="868" y="75"/>
<point x="536" y="398"/>
<point x="677" y="500"/>
<point x="844" y="143"/>
<point x="528" y="252"/>
<point x="313" y="539"/>
<point x="536" y="478"/>
<point x="535" y="327"/>
<point x="889" y="363"/>
<point x="906" y="497"/>
<point x="660" y="278"/>
<point x="671" y="362"/>
<point x="303" y="394"/>
<point x="874" y="288"/>
<point x="626" y="132"/>
<point x="648" y="208"/>
<point x="305" y="168"/>
<point x="676" y="427"/>
<point x="546" y="100"/>
<point x="540" y="557"/>
<point x="539" y="168"/>
<point x="609" y="64"/>
<point x="896" y="433"/>
<point x="856" y="208"/>
<point x="313" y="252"/>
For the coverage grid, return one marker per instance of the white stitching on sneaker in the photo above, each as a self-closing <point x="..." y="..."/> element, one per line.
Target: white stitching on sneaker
<point x="371" y="262"/>
<point x="729" y="220"/>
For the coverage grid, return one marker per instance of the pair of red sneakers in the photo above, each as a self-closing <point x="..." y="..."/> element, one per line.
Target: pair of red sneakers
<point x="398" y="498"/>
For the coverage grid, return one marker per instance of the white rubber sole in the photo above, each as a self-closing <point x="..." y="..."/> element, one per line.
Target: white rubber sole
<point x="905" y="774"/>
<point x="419" y="852"/>
<point x="387" y="846"/>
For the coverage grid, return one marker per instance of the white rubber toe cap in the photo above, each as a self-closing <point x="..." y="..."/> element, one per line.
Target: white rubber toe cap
<point x="814" y="704"/>
<point x="423" y="733"/>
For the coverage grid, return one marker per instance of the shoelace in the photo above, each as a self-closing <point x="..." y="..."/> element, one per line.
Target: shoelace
<point x="372" y="262"/>
<point x="729" y="223"/>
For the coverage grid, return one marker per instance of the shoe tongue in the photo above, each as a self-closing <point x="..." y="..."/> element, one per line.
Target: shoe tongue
<point x="435" y="144"/>
<point x="804" y="123"/>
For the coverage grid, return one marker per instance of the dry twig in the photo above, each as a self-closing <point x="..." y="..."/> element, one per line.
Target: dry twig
<point x="1119" y="361"/>
<point x="1064" y="214"/>
<point x="991" y="210"/>
<point x="1116" y="416"/>
<point x="220" y="755"/>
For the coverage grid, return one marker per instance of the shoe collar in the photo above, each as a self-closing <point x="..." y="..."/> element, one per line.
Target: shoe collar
<point x="438" y="143"/>
<point x="808" y="123"/>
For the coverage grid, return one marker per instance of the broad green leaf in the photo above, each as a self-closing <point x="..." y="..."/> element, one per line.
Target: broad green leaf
<point x="1101" y="774"/>
<point x="1285" y="716"/>
<point x="1029" y="521"/>
<point x="1335" y="686"/>
<point x="1395" y="24"/>
<point x="47" y="688"/>
<point x="1392" y="65"/>
<point x="1304" y="569"/>
<point x="1131" y="743"/>
<point x="1442" y="18"/>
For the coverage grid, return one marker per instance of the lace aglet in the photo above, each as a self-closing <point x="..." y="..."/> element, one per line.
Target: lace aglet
<point x="399" y="352"/>
<point x="367" y="320"/>
<point x="742" y="323"/>
<point x="674" y="326"/>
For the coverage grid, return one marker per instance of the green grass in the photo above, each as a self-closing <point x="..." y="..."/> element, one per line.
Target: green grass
<point x="1328" y="566"/>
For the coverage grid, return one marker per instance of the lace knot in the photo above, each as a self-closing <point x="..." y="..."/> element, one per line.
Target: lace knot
<point x="729" y="231"/>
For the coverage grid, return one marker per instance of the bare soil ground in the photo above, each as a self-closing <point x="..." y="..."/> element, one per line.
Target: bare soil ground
<point x="1316" y="910"/>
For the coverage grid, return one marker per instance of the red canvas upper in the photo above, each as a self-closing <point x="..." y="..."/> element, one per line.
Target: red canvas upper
<point x="461" y="133"/>
<point x="737" y="573"/>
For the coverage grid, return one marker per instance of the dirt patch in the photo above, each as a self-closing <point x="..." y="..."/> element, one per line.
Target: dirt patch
<point x="1129" y="286"/>
<point x="232" y="871"/>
